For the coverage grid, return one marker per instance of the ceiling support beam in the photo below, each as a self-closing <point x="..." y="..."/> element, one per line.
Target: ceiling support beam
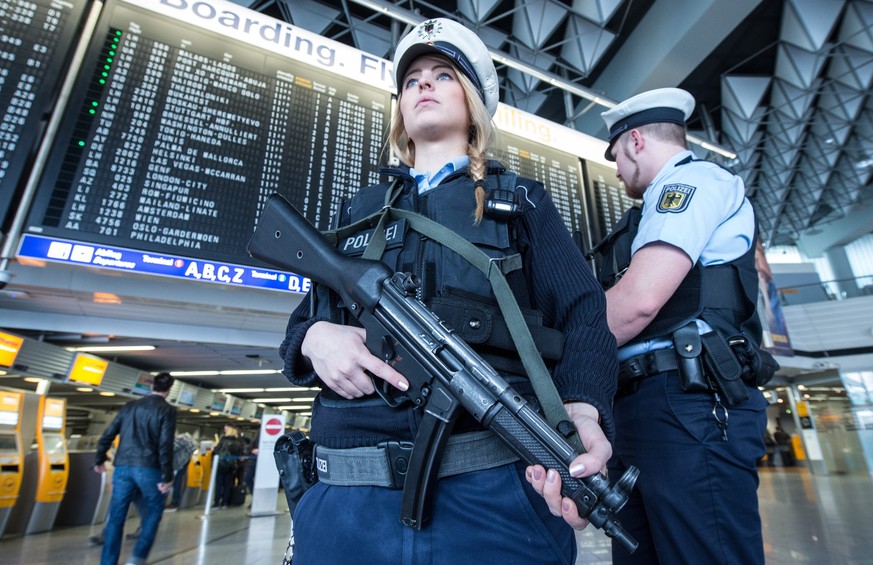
<point x="672" y="40"/>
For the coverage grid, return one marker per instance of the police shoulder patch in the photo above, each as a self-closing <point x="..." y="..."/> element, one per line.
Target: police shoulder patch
<point x="675" y="198"/>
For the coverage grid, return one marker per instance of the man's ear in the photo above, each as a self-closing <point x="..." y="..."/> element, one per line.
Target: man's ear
<point x="637" y="140"/>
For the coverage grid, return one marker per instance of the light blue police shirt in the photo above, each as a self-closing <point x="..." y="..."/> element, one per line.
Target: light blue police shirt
<point x="700" y="208"/>
<point x="426" y="181"/>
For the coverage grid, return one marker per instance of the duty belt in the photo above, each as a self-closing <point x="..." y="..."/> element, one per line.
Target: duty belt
<point x="385" y="465"/>
<point x="631" y="370"/>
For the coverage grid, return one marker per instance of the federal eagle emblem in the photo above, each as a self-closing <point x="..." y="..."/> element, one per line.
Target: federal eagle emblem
<point x="675" y="198"/>
<point x="429" y="30"/>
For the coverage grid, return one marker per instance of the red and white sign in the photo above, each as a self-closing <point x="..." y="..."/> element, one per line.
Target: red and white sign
<point x="274" y="426"/>
<point x="266" y="474"/>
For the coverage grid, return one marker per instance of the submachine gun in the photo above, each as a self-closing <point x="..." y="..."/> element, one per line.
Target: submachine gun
<point x="444" y="373"/>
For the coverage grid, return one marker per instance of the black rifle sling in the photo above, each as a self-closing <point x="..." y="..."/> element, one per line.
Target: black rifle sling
<point x="541" y="380"/>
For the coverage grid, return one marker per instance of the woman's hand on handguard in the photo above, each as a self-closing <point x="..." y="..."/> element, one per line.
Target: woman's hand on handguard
<point x="341" y="360"/>
<point x="598" y="452"/>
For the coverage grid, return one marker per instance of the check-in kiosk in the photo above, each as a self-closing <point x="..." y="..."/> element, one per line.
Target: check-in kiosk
<point x="53" y="463"/>
<point x="194" y="482"/>
<point x="11" y="453"/>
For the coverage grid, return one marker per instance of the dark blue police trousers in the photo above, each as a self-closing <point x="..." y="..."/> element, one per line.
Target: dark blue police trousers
<point x="696" y="497"/>
<point x="490" y="516"/>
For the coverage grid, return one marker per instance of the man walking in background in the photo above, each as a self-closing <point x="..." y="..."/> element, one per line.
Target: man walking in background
<point x="143" y="467"/>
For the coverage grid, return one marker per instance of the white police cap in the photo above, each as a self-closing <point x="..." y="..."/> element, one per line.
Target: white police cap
<point x="671" y="105"/>
<point x="458" y="43"/>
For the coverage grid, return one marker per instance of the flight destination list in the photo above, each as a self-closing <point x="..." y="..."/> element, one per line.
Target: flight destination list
<point x="35" y="37"/>
<point x="176" y="137"/>
<point x="608" y="198"/>
<point x="559" y="172"/>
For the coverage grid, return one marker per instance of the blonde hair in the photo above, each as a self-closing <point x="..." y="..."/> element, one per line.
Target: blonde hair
<point x="479" y="140"/>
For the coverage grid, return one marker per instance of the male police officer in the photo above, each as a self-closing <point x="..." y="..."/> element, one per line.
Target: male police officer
<point x="681" y="294"/>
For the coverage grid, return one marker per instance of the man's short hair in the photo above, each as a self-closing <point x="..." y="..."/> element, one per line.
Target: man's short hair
<point x="162" y="383"/>
<point x="667" y="132"/>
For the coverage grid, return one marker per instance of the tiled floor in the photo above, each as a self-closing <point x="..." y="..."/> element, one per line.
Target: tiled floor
<point x="807" y="519"/>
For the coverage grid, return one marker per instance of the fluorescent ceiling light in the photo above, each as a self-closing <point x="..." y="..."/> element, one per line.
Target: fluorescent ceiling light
<point x="107" y="393"/>
<point x="291" y="389"/>
<point x="84" y="389"/>
<point x="265" y="400"/>
<point x="230" y="390"/>
<point x="111" y="348"/>
<point x="302" y="399"/>
<point x="293" y="408"/>
<point x="194" y="373"/>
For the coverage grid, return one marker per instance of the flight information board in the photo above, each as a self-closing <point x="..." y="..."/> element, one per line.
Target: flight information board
<point x="36" y="38"/>
<point x="177" y="133"/>
<point x="607" y="198"/>
<point x="560" y="173"/>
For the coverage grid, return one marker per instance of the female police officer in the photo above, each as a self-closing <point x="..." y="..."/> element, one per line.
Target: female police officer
<point x="487" y="512"/>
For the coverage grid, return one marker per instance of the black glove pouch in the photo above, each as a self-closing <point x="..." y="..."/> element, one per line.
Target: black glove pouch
<point x="723" y="369"/>
<point x="758" y="365"/>
<point x="295" y="460"/>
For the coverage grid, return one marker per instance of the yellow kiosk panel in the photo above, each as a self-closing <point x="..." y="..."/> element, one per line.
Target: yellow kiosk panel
<point x="51" y="441"/>
<point x="11" y="455"/>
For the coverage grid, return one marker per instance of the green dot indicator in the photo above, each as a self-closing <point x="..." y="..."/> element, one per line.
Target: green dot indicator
<point x="108" y="59"/>
<point x="81" y="144"/>
<point x="94" y="104"/>
<point x="118" y="32"/>
<point x="104" y="74"/>
<point x="112" y="53"/>
<point x="92" y="112"/>
<point x="102" y="81"/>
<point x="107" y="67"/>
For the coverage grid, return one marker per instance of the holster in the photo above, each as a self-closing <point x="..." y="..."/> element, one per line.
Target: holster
<point x="686" y="341"/>
<point x="723" y="369"/>
<point x="295" y="462"/>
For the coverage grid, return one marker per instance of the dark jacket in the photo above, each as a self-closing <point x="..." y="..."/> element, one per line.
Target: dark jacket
<point x="146" y="428"/>
<point x="558" y="284"/>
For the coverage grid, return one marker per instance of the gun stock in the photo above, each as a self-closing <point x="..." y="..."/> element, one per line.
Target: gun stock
<point x="285" y="238"/>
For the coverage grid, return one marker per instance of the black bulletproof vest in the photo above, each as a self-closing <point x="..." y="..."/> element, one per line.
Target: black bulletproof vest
<point x="723" y="295"/>
<point x="453" y="288"/>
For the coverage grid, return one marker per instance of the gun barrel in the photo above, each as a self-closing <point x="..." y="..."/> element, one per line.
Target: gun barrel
<point x="285" y="238"/>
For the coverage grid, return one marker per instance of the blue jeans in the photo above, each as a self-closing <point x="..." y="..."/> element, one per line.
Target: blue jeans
<point x="127" y="482"/>
<point x="696" y="499"/>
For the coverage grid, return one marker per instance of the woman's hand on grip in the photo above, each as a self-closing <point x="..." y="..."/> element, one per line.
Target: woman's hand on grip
<point x="340" y="358"/>
<point x="547" y="482"/>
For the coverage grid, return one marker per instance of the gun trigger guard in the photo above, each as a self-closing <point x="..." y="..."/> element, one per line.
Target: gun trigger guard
<point x="388" y="393"/>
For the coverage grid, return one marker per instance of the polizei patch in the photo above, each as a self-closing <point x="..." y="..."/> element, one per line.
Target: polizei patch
<point x="675" y="198"/>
